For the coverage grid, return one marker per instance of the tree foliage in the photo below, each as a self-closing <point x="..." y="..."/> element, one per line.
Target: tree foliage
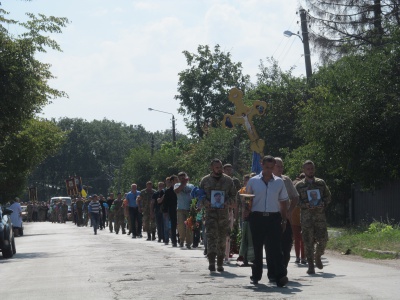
<point x="23" y="151"/>
<point x="24" y="90"/>
<point x="24" y="80"/>
<point x="283" y="93"/>
<point x="203" y="87"/>
<point x="354" y="114"/>
<point x="93" y="150"/>
<point x="342" y="26"/>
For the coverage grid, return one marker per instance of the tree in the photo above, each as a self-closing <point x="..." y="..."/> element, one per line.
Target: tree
<point x="217" y="143"/>
<point x="24" y="88"/>
<point x="93" y="150"/>
<point x="23" y="151"/>
<point x="348" y="25"/>
<point x="137" y="168"/>
<point x="203" y="87"/>
<point x="283" y="93"/>
<point x="350" y="124"/>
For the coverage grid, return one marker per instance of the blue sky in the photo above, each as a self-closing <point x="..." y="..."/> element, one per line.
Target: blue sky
<point x="121" y="57"/>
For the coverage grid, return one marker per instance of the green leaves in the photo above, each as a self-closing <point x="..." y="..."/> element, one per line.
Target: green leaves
<point x="203" y="87"/>
<point x="23" y="151"/>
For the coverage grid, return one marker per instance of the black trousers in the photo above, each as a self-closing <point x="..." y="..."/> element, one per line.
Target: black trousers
<point x="160" y="225"/>
<point x="266" y="230"/>
<point x="133" y="214"/>
<point x="173" y="218"/>
<point x="287" y="243"/>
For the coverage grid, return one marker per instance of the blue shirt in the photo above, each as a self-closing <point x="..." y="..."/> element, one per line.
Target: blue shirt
<point x="267" y="195"/>
<point x="184" y="196"/>
<point x="131" y="197"/>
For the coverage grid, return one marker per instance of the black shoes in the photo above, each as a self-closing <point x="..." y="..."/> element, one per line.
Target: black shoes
<point x="253" y="281"/>
<point x="282" y="282"/>
<point x="318" y="262"/>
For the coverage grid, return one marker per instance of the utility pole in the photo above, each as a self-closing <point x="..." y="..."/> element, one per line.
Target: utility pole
<point x="304" y="31"/>
<point x="173" y="131"/>
<point x="152" y="144"/>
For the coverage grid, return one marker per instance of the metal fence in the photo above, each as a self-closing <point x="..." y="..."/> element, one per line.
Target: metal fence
<point x="380" y="205"/>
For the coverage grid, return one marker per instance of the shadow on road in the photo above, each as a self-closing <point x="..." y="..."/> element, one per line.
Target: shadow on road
<point x="290" y="289"/>
<point x="38" y="234"/>
<point x="32" y="255"/>
<point x="225" y="274"/>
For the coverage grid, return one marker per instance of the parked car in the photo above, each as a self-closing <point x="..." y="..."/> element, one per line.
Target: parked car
<point x="7" y="241"/>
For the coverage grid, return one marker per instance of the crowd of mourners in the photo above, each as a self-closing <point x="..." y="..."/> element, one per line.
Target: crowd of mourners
<point x="270" y="209"/>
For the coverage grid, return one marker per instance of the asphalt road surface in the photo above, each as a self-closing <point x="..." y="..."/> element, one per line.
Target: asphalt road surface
<point x="62" y="261"/>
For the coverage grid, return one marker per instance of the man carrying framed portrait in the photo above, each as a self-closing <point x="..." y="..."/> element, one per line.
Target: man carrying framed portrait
<point x="314" y="197"/>
<point x="220" y="196"/>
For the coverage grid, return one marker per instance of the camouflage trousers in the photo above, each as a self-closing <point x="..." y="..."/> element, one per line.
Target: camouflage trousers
<point x="149" y="223"/>
<point x="119" y="222"/>
<point x="217" y="229"/>
<point x="314" y="232"/>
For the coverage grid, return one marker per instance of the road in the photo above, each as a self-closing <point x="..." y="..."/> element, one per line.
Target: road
<point x="62" y="261"/>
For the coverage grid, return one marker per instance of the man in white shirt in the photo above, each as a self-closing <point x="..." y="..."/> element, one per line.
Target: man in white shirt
<point x="268" y="221"/>
<point x="16" y="216"/>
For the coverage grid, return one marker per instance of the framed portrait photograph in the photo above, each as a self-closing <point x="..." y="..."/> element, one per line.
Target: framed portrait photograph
<point x="217" y="199"/>
<point x="314" y="197"/>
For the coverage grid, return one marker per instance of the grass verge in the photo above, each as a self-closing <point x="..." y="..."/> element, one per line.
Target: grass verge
<point x="377" y="241"/>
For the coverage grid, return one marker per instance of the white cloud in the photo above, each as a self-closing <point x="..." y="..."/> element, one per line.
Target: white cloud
<point x="121" y="58"/>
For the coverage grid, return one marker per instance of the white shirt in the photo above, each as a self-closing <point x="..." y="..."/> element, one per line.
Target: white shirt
<point x="16" y="218"/>
<point x="267" y="196"/>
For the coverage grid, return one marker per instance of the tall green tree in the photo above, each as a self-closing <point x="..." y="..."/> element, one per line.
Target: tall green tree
<point x="342" y="26"/>
<point x="283" y="93"/>
<point x="350" y="123"/>
<point x="203" y="87"/>
<point x="23" y="151"/>
<point x="24" y="88"/>
<point x="93" y="150"/>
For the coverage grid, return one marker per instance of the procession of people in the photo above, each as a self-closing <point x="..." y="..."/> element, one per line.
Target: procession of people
<point x="178" y="212"/>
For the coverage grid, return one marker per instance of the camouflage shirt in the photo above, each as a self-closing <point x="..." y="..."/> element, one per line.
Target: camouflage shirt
<point x="146" y="197"/>
<point x="118" y="210"/>
<point x="237" y="183"/>
<point x="223" y="183"/>
<point x="303" y="186"/>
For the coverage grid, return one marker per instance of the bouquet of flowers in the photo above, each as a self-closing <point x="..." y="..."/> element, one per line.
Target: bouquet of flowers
<point x="197" y="196"/>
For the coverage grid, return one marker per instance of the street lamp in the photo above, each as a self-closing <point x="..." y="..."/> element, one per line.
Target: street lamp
<point x="173" y="123"/>
<point x="304" y="40"/>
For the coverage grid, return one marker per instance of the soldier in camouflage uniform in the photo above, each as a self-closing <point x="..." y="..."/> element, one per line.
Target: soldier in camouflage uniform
<point x="118" y="212"/>
<point x="144" y="203"/>
<point x="217" y="220"/>
<point x="79" y="212"/>
<point x="313" y="220"/>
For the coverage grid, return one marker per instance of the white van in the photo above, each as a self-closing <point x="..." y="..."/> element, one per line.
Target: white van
<point x="67" y="200"/>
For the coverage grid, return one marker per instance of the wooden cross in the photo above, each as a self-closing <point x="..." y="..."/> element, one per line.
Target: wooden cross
<point x="244" y="116"/>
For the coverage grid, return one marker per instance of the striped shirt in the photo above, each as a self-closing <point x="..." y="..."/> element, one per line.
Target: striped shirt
<point x="94" y="207"/>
